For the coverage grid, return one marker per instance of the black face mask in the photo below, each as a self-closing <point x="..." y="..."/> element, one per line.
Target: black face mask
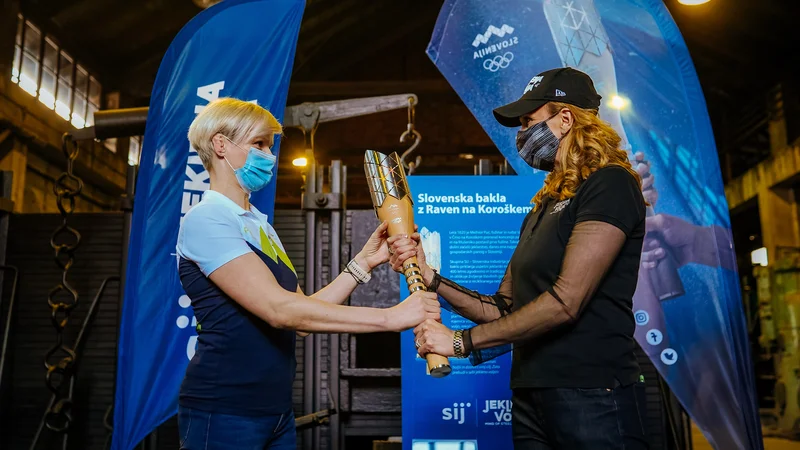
<point x="538" y="146"/>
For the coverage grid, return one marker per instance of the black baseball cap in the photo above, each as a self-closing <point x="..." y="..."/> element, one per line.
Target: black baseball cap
<point x="564" y="85"/>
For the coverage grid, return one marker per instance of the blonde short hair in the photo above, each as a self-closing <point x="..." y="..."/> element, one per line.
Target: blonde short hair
<point x="236" y="119"/>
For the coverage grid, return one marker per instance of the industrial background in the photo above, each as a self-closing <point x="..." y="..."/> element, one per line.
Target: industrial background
<point x="63" y="60"/>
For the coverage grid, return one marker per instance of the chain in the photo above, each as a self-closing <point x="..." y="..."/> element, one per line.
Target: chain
<point x="411" y="134"/>
<point x="63" y="298"/>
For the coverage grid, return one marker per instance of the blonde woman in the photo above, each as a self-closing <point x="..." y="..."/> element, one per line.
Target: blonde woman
<point x="565" y="301"/>
<point x="237" y="391"/>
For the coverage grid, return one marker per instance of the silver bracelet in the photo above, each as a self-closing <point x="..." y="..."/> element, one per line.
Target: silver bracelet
<point x="359" y="274"/>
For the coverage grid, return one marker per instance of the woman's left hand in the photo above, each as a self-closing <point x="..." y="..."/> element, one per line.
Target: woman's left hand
<point x="375" y="251"/>
<point x="433" y="337"/>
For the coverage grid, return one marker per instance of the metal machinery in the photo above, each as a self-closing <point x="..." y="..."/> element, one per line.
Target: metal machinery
<point x="778" y="294"/>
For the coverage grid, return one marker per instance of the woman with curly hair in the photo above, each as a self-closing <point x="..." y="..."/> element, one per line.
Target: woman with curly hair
<point x="565" y="300"/>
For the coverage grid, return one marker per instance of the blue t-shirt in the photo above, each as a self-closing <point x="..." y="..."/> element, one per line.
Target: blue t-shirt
<point x="242" y="365"/>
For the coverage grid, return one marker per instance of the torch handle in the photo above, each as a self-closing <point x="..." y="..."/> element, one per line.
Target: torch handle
<point x="399" y="213"/>
<point x="438" y="365"/>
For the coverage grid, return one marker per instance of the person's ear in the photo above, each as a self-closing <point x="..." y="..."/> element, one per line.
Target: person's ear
<point x="567" y="120"/>
<point x="219" y="141"/>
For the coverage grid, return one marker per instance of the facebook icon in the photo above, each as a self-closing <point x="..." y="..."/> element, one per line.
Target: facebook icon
<point x="654" y="337"/>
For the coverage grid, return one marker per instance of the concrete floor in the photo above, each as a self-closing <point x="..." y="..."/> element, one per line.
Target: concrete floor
<point x="699" y="442"/>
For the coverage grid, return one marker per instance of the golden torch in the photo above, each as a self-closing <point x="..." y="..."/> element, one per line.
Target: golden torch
<point x="392" y="201"/>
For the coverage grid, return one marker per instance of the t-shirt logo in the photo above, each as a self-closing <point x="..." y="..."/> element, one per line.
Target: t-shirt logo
<point x="273" y="250"/>
<point x="560" y="205"/>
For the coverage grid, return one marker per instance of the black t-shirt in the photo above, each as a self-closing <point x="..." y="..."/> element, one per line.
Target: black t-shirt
<point x="599" y="347"/>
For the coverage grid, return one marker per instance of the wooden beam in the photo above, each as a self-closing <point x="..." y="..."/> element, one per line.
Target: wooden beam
<point x="8" y="32"/>
<point x="348" y="89"/>
<point x="318" y="13"/>
<point x="154" y="48"/>
<point x="82" y="12"/>
<point x="41" y="129"/>
<point x="70" y="42"/>
<point x="47" y="8"/>
<point x="398" y="30"/>
<point x="132" y="21"/>
<point x="777" y="170"/>
<point x="132" y="36"/>
<point x="4" y="135"/>
<point x="311" y="45"/>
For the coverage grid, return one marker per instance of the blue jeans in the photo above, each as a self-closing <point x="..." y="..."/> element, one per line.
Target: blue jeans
<point x="200" y="430"/>
<point x="578" y="419"/>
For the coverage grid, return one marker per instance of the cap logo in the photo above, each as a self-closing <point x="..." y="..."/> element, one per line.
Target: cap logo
<point x="560" y="93"/>
<point x="533" y="84"/>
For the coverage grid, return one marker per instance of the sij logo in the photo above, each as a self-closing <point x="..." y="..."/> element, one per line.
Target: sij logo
<point x="456" y="413"/>
<point x="501" y="409"/>
<point x="183" y="322"/>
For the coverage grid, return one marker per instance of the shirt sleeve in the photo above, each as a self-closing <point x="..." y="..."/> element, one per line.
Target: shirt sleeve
<point x="611" y="195"/>
<point x="591" y="251"/>
<point x="473" y="305"/>
<point x="210" y="237"/>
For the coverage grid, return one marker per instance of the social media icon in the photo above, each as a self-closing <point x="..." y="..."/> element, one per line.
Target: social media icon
<point x="654" y="337"/>
<point x="641" y="316"/>
<point x="669" y="356"/>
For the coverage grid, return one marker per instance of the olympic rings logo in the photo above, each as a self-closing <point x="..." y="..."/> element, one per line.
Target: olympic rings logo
<point x="498" y="62"/>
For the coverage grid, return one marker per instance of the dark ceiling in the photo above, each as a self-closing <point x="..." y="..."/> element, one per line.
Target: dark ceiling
<point x="741" y="49"/>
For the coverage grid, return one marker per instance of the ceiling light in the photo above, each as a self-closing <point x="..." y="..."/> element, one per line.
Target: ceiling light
<point x="206" y="3"/>
<point x="300" y="162"/>
<point x="693" y="2"/>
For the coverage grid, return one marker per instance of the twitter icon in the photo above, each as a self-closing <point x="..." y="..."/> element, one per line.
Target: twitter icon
<point x="669" y="356"/>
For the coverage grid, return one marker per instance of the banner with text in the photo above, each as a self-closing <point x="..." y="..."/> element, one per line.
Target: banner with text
<point x="238" y="48"/>
<point x="688" y="307"/>
<point x="469" y="227"/>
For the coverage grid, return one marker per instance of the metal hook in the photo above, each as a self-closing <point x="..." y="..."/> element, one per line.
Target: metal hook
<point x="410" y="166"/>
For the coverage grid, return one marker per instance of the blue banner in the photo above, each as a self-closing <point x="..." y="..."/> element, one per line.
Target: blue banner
<point x="688" y="309"/>
<point x="238" y="48"/>
<point x="469" y="227"/>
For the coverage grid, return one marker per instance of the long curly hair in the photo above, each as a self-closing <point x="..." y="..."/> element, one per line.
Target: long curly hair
<point x="590" y="145"/>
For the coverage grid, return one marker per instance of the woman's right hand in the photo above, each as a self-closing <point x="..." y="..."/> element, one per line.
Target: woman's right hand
<point x="417" y="308"/>
<point x="403" y="247"/>
<point x="642" y="167"/>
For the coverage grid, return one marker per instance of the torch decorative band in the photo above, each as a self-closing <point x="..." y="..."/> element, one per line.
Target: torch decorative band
<point x="385" y="176"/>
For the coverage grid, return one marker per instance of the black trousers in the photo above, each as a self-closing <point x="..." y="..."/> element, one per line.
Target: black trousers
<point x="578" y="419"/>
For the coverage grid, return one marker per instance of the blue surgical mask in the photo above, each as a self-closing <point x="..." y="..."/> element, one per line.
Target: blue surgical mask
<point x="256" y="172"/>
<point x="538" y="146"/>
